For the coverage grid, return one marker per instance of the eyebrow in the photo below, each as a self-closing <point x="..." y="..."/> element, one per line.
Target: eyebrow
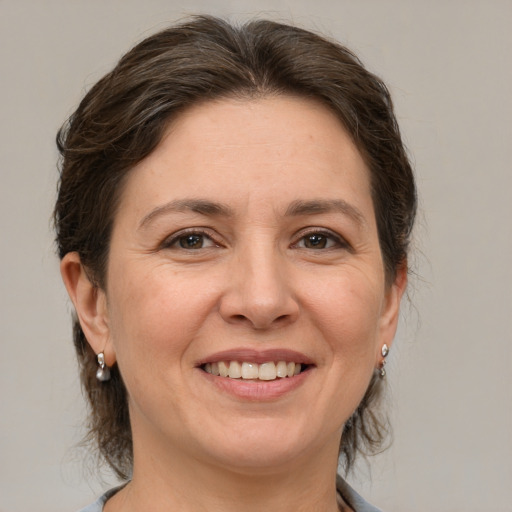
<point x="319" y="206"/>
<point x="295" y="209"/>
<point x="201" y="206"/>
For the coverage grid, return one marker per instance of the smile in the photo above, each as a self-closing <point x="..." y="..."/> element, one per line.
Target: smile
<point x="253" y="371"/>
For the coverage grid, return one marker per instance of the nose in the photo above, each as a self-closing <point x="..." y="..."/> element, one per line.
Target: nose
<point x="259" y="291"/>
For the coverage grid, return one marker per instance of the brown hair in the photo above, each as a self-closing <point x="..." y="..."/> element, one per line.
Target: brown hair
<point x="122" y="119"/>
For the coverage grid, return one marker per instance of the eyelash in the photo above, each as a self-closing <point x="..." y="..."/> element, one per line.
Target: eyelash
<point x="336" y="240"/>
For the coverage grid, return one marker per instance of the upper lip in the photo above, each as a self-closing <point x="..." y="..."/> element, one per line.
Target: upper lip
<point x="257" y="356"/>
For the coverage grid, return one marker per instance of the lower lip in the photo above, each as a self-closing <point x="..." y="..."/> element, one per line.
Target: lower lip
<point x="257" y="390"/>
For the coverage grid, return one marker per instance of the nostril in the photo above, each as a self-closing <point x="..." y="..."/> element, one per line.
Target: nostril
<point x="257" y="324"/>
<point x="258" y="307"/>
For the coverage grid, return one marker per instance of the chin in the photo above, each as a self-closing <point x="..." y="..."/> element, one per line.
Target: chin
<point x="262" y="446"/>
<point x="257" y="459"/>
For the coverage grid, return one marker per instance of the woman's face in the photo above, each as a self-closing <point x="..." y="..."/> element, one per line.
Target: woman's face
<point x="247" y="236"/>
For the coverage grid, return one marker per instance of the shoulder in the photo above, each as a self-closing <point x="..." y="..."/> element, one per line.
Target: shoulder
<point x="356" y="502"/>
<point x="97" y="506"/>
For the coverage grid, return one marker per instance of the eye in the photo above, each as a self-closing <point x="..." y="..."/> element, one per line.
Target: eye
<point x="317" y="240"/>
<point x="190" y="241"/>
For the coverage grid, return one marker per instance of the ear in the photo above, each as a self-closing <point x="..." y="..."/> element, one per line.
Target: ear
<point x="90" y="304"/>
<point x="390" y="312"/>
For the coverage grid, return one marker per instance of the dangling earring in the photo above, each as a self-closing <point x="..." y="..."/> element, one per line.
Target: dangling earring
<point x="384" y="352"/>
<point x="103" y="372"/>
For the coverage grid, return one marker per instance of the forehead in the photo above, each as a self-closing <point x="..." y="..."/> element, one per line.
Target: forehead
<point x="257" y="124"/>
<point x="281" y="148"/>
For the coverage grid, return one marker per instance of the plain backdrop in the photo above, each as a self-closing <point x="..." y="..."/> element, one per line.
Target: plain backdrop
<point x="448" y="65"/>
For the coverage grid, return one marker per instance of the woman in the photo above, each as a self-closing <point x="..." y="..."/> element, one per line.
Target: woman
<point x="233" y="220"/>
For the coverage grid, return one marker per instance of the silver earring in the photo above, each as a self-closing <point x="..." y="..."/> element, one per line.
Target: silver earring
<point x="384" y="352"/>
<point x="103" y="372"/>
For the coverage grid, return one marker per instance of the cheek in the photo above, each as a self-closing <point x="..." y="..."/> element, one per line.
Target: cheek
<point x="158" y="312"/>
<point x="153" y="320"/>
<point x="153" y="313"/>
<point x="345" y="314"/>
<point x="348" y="312"/>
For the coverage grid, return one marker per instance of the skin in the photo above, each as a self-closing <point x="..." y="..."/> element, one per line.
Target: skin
<point x="264" y="275"/>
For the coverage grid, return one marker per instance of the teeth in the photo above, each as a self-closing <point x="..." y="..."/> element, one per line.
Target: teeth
<point x="267" y="371"/>
<point x="223" y="369"/>
<point x="235" y="370"/>
<point x="249" y="371"/>
<point x="253" y="371"/>
<point x="281" y="369"/>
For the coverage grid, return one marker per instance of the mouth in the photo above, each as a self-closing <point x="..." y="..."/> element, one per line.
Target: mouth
<point x="253" y="371"/>
<point x="256" y="375"/>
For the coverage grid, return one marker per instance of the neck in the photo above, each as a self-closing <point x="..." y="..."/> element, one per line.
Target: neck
<point x="169" y="480"/>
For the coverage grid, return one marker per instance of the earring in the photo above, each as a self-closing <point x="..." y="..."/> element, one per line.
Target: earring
<point x="103" y="372"/>
<point x="384" y="352"/>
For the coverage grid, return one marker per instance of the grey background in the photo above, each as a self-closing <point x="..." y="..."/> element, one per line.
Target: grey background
<point x="448" y="66"/>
